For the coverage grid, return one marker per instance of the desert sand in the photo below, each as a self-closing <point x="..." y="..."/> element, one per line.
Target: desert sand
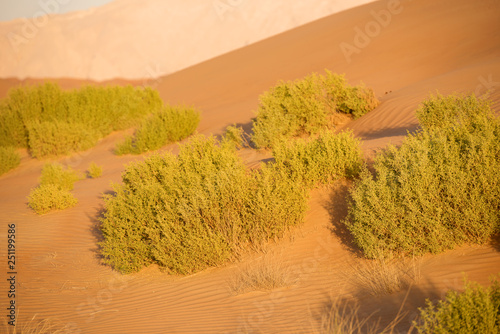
<point x="419" y="48"/>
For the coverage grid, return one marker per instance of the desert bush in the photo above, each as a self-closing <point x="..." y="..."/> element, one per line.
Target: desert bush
<point x="56" y="174"/>
<point x="169" y="125"/>
<point x="94" y="170"/>
<point x="448" y="113"/>
<point x="439" y="189"/>
<point x="303" y="107"/>
<point x="50" y="121"/>
<point x="9" y="159"/>
<point x="195" y="210"/>
<point x="48" y="197"/>
<point x="475" y="310"/>
<point x="324" y="159"/>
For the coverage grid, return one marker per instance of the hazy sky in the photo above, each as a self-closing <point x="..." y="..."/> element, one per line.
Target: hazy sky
<point x="12" y="9"/>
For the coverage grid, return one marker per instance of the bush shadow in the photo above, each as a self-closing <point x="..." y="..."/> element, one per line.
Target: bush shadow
<point x="495" y="242"/>
<point x="95" y="227"/>
<point x="337" y="207"/>
<point x="247" y="133"/>
<point x="365" y="313"/>
<point x="401" y="131"/>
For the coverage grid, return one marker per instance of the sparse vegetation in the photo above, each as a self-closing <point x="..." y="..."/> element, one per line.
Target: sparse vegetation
<point x="379" y="277"/>
<point x="304" y="107"/>
<point x="440" y="189"/>
<point x="49" y="197"/>
<point x="323" y="160"/>
<point x="195" y="210"/>
<point x="343" y="317"/>
<point x="94" y="170"/>
<point x="476" y="310"/>
<point x="9" y="159"/>
<point x="262" y="275"/>
<point x="168" y="125"/>
<point x="49" y="121"/>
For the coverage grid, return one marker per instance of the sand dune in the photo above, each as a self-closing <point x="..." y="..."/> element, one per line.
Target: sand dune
<point x="146" y="39"/>
<point x="449" y="46"/>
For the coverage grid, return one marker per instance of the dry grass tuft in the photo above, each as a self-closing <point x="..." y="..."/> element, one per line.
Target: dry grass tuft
<point x="264" y="274"/>
<point x="343" y="317"/>
<point x="340" y="318"/>
<point x="382" y="276"/>
<point x="35" y="326"/>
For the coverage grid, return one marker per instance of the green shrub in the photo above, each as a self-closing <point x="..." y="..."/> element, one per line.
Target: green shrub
<point x="195" y="210"/>
<point x="476" y="310"/>
<point x="322" y="160"/>
<point x="305" y="106"/>
<point x="56" y="174"/>
<point x="9" y="159"/>
<point x="48" y="197"/>
<point x="94" y="171"/>
<point x="440" y="189"/>
<point x="169" y="125"/>
<point x="50" y="121"/>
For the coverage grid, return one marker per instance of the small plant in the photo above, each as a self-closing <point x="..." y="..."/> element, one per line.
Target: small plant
<point x="94" y="171"/>
<point x="9" y="159"/>
<point x="266" y="274"/>
<point x="53" y="192"/>
<point x="169" y="125"/>
<point x="476" y="310"/>
<point x="323" y="160"/>
<point x="304" y="107"/>
<point x="49" y="197"/>
<point x="56" y="174"/>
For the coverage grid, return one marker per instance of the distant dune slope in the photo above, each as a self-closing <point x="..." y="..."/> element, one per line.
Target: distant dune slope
<point x="144" y="39"/>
